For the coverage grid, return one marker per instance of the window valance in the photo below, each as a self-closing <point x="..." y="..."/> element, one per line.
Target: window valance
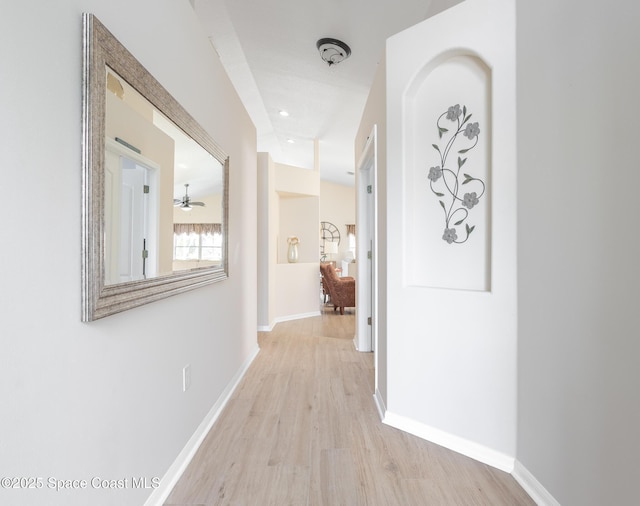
<point x="197" y="228"/>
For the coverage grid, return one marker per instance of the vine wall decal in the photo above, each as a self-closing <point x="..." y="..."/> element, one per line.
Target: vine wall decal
<point x="447" y="183"/>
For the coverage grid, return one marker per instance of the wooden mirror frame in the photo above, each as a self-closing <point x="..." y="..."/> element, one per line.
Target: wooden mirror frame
<point x="101" y="50"/>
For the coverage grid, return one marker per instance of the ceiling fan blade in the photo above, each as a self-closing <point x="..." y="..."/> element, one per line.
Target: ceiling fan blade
<point x="177" y="202"/>
<point x="197" y="203"/>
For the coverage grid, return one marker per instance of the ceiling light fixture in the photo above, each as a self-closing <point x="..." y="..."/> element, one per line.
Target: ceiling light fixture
<point x="284" y="113"/>
<point x="333" y="51"/>
<point x="186" y="204"/>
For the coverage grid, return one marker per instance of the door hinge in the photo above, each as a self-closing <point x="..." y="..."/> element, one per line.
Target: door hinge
<point x="145" y="189"/>
<point x="369" y="189"/>
<point x="369" y="321"/>
<point x="369" y="255"/>
<point x="145" y="255"/>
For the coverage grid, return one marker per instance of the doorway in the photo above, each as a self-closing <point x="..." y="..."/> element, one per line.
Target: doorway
<point x="131" y="210"/>
<point x="366" y="246"/>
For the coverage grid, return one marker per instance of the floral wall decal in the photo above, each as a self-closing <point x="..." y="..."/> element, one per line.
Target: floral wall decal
<point x="447" y="183"/>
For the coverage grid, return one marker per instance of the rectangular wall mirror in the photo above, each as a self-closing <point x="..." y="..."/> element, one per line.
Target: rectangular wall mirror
<point x="155" y="186"/>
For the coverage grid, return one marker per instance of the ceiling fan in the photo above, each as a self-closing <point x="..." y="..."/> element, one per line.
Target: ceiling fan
<point x="186" y="203"/>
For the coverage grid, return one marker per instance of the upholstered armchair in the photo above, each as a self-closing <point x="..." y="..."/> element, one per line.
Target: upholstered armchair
<point x="342" y="291"/>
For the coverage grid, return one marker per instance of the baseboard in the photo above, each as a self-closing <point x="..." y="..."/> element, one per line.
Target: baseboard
<point x="287" y="318"/>
<point x="532" y="486"/>
<point x="279" y="319"/>
<point x="458" y="444"/>
<point x="363" y="349"/>
<point x="382" y="409"/>
<point x="171" y="477"/>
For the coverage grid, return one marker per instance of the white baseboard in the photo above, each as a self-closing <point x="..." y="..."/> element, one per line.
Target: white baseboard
<point x="458" y="444"/>
<point x="532" y="486"/>
<point x="382" y="409"/>
<point x="363" y="349"/>
<point x="296" y="316"/>
<point x="171" y="477"/>
<point x="279" y="319"/>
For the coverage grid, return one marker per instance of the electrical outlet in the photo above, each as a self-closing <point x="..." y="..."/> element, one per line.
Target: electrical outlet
<point x="186" y="377"/>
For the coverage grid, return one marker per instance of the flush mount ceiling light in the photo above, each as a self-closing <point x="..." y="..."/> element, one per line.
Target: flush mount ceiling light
<point x="333" y="51"/>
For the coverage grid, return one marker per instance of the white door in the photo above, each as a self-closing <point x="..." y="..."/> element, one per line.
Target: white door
<point x="131" y="209"/>
<point x="133" y="221"/>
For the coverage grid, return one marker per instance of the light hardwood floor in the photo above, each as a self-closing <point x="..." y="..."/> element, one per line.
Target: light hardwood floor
<point x="302" y="429"/>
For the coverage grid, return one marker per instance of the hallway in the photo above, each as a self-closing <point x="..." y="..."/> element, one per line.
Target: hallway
<point x="302" y="429"/>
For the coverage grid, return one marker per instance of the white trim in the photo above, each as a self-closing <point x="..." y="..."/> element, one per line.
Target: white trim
<point x="366" y="239"/>
<point x="532" y="486"/>
<point x="171" y="477"/>
<point x="382" y="409"/>
<point x="279" y="319"/>
<point x="287" y="318"/>
<point x="458" y="444"/>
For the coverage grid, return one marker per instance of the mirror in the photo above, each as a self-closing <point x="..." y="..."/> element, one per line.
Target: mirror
<point x="155" y="186"/>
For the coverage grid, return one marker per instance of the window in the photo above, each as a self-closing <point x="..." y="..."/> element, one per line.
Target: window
<point x="351" y="240"/>
<point x="197" y="241"/>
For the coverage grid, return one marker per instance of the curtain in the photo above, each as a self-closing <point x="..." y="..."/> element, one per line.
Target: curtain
<point x="351" y="229"/>
<point x="197" y="228"/>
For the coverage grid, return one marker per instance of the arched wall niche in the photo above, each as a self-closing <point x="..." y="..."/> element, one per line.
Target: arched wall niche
<point x="447" y="128"/>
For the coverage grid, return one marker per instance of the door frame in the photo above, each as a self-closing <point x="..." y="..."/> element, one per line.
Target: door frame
<point x="112" y="204"/>
<point x="366" y="240"/>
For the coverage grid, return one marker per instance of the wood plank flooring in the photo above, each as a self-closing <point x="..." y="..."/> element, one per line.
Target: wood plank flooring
<point x="302" y="429"/>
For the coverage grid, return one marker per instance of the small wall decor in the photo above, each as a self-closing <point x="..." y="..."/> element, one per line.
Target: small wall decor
<point x="455" y="129"/>
<point x="447" y="154"/>
<point x="292" y="252"/>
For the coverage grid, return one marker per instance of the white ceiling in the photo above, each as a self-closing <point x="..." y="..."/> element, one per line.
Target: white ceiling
<point x="268" y="48"/>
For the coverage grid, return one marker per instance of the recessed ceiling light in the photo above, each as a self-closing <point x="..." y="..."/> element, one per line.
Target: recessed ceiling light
<point x="284" y="113"/>
<point x="291" y="141"/>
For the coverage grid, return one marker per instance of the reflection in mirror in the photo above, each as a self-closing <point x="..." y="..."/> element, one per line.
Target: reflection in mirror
<point x="155" y="174"/>
<point x="155" y="186"/>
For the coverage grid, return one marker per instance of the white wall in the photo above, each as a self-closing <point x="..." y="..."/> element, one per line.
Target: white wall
<point x="298" y="218"/>
<point x="268" y="223"/>
<point x="578" y="249"/>
<point x="297" y="291"/>
<point x="452" y="353"/>
<point x="338" y="206"/>
<point x="296" y="180"/>
<point x="375" y="113"/>
<point x="288" y="201"/>
<point x="104" y="399"/>
<point x="211" y="212"/>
